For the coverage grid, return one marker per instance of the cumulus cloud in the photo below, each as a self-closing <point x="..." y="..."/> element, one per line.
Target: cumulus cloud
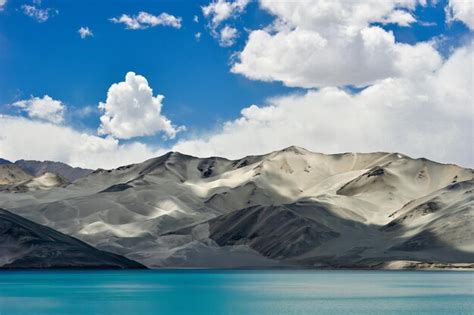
<point x="220" y="10"/>
<point x="85" y="32"/>
<point x="44" y="108"/>
<point x="2" y="4"/>
<point x="131" y="110"/>
<point x="39" y="14"/>
<point x="22" y="138"/>
<point x="319" y="43"/>
<point x="227" y="36"/>
<point x="432" y="117"/>
<point x="145" y="20"/>
<point x="462" y="10"/>
<point x="416" y="102"/>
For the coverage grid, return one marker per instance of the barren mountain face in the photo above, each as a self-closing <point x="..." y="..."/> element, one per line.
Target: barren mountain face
<point x="25" y="244"/>
<point x="287" y="208"/>
<point x="37" y="168"/>
<point x="11" y="174"/>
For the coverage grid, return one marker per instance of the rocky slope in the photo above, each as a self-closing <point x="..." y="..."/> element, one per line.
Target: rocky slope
<point x="27" y="245"/>
<point x="11" y="174"/>
<point x="286" y="208"/>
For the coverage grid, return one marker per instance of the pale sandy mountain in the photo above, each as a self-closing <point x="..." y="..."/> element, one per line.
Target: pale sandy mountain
<point x="45" y="181"/>
<point x="38" y="168"/>
<point x="289" y="207"/>
<point x="11" y="174"/>
<point x="15" y="180"/>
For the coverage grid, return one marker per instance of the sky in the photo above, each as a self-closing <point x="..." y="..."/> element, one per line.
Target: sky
<point x="107" y="83"/>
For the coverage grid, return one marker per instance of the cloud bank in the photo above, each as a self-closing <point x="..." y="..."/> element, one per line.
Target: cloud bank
<point x="432" y="117"/>
<point x="416" y="102"/>
<point x="318" y="43"/>
<point x="422" y="118"/>
<point x="22" y="138"/>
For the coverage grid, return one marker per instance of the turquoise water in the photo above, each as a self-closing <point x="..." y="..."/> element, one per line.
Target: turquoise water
<point x="236" y="292"/>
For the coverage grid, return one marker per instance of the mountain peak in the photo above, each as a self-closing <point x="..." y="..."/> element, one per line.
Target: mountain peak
<point x="295" y="149"/>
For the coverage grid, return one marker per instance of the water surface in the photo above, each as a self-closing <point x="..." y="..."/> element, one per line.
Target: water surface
<point x="236" y="292"/>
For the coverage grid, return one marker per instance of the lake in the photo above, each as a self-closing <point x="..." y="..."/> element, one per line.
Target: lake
<point x="236" y="292"/>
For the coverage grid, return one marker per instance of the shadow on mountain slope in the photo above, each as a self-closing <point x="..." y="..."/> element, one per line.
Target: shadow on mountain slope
<point x="26" y="245"/>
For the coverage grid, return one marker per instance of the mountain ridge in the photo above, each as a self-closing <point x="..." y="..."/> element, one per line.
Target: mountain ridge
<point x="177" y="210"/>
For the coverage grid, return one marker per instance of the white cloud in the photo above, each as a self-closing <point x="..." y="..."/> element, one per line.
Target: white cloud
<point x="85" y="32"/>
<point x="22" y="138"/>
<point x="84" y="111"/>
<point x="131" y="110"/>
<point x="306" y="59"/>
<point x="338" y="16"/>
<point x="227" y="36"/>
<point x="197" y="36"/>
<point x="416" y="103"/>
<point x="320" y="43"/>
<point x="221" y="10"/>
<point x="44" y="108"/>
<point x="39" y="14"/>
<point x="145" y="20"/>
<point x="2" y="4"/>
<point x="462" y="10"/>
<point x="430" y="116"/>
<point x="400" y="17"/>
<point x="427" y="24"/>
<point x="196" y="19"/>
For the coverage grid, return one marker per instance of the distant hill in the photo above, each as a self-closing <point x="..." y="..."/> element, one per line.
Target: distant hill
<point x="37" y="168"/>
<point x="11" y="174"/>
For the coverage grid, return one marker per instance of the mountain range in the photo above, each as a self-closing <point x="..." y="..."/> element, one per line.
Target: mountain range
<point x="289" y="208"/>
<point x="37" y="168"/>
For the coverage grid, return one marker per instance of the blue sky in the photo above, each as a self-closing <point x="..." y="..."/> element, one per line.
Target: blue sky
<point x="51" y="58"/>
<point x="201" y="92"/>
